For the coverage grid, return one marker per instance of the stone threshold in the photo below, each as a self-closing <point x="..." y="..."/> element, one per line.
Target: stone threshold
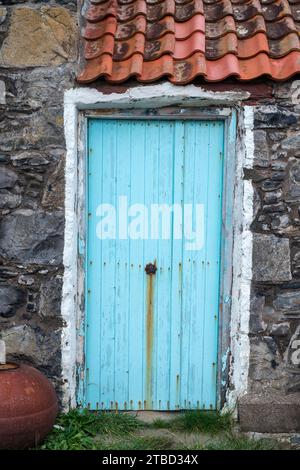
<point x="269" y="413"/>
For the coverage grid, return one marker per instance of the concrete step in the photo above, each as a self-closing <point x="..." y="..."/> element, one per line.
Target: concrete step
<point x="269" y="413"/>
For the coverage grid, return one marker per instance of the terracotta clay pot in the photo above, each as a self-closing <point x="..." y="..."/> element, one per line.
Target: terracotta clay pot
<point x="28" y="406"/>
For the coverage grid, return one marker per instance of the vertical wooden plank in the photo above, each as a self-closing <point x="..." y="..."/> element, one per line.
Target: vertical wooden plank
<point x="229" y="167"/>
<point x="201" y="159"/>
<point x="176" y="273"/>
<point x="123" y="270"/>
<point x="189" y="162"/>
<point x="213" y="242"/>
<point x="93" y="298"/>
<point x="163" y="303"/>
<point x="150" y="256"/>
<point x="137" y="274"/>
<point x="108" y="273"/>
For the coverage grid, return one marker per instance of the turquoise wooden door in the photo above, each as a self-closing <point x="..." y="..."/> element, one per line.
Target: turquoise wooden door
<point x="153" y="263"/>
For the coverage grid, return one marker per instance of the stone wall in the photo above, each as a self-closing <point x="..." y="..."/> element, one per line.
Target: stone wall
<point x="38" y="54"/>
<point x="275" y="304"/>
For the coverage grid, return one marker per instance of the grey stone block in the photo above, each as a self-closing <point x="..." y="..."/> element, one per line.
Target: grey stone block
<point x="292" y="142"/>
<point x="269" y="413"/>
<point x="271" y="259"/>
<point x="9" y="200"/>
<point x="8" y="178"/>
<point x="261" y="157"/>
<point x="2" y="88"/>
<point x="11" y="298"/>
<point x="288" y="302"/>
<point x="50" y="301"/>
<point x="33" y="237"/>
<point x="280" y="329"/>
<point x="274" y="117"/>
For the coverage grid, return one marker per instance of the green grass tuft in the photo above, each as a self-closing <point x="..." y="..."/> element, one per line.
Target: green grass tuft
<point x="84" y="430"/>
<point x="210" y="422"/>
<point x="161" y="424"/>
<point x="76" y="430"/>
<point x="137" y="443"/>
<point x="241" y="443"/>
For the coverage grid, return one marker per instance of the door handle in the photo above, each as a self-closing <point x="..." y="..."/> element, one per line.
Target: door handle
<point x="150" y="269"/>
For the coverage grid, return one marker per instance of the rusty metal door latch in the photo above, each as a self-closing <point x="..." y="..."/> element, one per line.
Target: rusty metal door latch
<point x="150" y="269"/>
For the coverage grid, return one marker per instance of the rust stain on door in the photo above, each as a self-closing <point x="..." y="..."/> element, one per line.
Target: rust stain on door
<point x="150" y="271"/>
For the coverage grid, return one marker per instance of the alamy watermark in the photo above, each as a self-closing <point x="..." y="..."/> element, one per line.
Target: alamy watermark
<point x="156" y="222"/>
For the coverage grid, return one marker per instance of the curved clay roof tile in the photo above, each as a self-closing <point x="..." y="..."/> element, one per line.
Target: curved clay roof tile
<point x="246" y="11"/>
<point x="219" y="28"/>
<point x="249" y="28"/>
<point x="130" y="28"/>
<point x="279" y="29"/>
<point x="184" y="39"/>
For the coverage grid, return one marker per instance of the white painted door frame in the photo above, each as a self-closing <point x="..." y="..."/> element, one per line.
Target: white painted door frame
<point x="77" y="102"/>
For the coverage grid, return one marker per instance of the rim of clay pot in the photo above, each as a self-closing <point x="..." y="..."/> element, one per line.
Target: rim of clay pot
<point x="9" y="366"/>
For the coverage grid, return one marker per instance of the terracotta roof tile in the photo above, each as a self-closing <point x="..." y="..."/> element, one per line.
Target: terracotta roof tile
<point x="183" y="39"/>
